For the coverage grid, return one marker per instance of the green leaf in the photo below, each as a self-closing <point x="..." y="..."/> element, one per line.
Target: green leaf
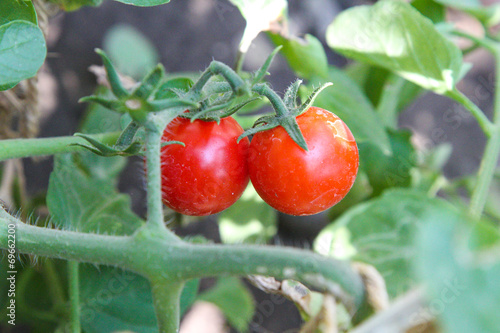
<point x="259" y="15"/>
<point x="388" y="170"/>
<point x="71" y="5"/>
<point x="22" y="52"/>
<point x="489" y="16"/>
<point x="249" y="220"/>
<point x="131" y="52"/>
<point x="144" y="3"/>
<point x="460" y="263"/>
<point x="234" y="300"/>
<point x="394" y="35"/>
<point x="430" y="9"/>
<point x="116" y="300"/>
<point x="380" y="232"/>
<point x="11" y="10"/>
<point x="347" y="101"/>
<point x="305" y="56"/>
<point x="79" y="202"/>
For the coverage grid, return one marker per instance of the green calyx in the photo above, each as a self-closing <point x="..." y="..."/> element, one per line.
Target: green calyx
<point x="218" y="93"/>
<point x="141" y="100"/>
<point x="126" y="145"/>
<point x="286" y="111"/>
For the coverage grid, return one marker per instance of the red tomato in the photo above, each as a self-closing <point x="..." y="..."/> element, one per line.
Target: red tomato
<point x="210" y="173"/>
<point x="299" y="182"/>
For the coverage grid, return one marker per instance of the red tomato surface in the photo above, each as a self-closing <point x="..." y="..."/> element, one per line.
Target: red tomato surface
<point x="210" y="173"/>
<point x="299" y="182"/>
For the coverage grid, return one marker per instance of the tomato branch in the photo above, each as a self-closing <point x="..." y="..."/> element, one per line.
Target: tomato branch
<point x="180" y="261"/>
<point x="19" y="148"/>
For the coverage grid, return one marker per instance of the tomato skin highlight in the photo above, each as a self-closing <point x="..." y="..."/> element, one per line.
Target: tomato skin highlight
<point x="210" y="173"/>
<point x="299" y="182"/>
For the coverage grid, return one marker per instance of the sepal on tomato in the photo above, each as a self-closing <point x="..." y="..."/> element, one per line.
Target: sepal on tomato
<point x="286" y="110"/>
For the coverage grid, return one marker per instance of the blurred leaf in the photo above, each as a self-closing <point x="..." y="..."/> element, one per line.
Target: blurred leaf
<point x="11" y="10"/>
<point x="22" y="52"/>
<point x="4" y="283"/>
<point x="461" y="276"/>
<point x="233" y="299"/>
<point x="380" y="232"/>
<point x="79" y="202"/>
<point x="394" y="35"/>
<point x="144" y="3"/>
<point x="428" y="176"/>
<point x="347" y="101"/>
<point x="130" y="51"/>
<point x="388" y="170"/>
<point x="116" y="300"/>
<point x="260" y="15"/>
<point x="71" y="5"/>
<point x="430" y="9"/>
<point x="489" y="16"/>
<point x="305" y="56"/>
<point x="492" y="207"/>
<point x="36" y="296"/>
<point x="249" y="220"/>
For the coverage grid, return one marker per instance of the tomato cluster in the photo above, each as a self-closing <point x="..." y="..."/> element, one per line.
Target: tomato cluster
<point x="211" y="172"/>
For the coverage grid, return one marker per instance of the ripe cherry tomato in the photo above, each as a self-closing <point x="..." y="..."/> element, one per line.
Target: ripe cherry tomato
<point x="210" y="173"/>
<point x="299" y="182"/>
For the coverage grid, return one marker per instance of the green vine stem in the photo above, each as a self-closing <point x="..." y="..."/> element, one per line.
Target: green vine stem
<point x="484" y="122"/>
<point x="166" y="300"/>
<point x="18" y="148"/>
<point x="217" y="68"/>
<point x="74" y="295"/>
<point x="491" y="152"/>
<point x="492" y="149"/>
<point x="155" y="222"/>
<point x="272" y="96"/>
<point x="180" y="261"/>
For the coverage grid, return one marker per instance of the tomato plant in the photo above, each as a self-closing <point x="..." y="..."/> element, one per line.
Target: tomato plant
<point x="210" y="172"/>
<point x="416" y="238"/>
<point x="299" y="182"/>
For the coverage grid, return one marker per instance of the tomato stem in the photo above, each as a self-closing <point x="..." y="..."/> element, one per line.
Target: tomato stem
<point x="491" y="152"/>
<point x="166" y="300"/>
<point x="276" y="101"/>
<point x="150" y="254"/>
<point x="217" y="68"/>
<point x="20" y="148"/>
<point x="74" y="295"/>
<point x="484" y="122"/>
<point x="155" y="219"/>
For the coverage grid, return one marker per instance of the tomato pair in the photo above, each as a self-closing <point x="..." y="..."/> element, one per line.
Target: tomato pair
<point x="211" y="172"/>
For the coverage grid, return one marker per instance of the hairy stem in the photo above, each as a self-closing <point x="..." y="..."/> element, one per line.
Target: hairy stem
<point x="276" y="101"/>
<point x="18" y="148"/>
<point x="166" y="300"/>
<point x="155" y="208"/>
<point x="155" y="222"/>
<point x="74" y="295"/>
<point x="150" y="255"/>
